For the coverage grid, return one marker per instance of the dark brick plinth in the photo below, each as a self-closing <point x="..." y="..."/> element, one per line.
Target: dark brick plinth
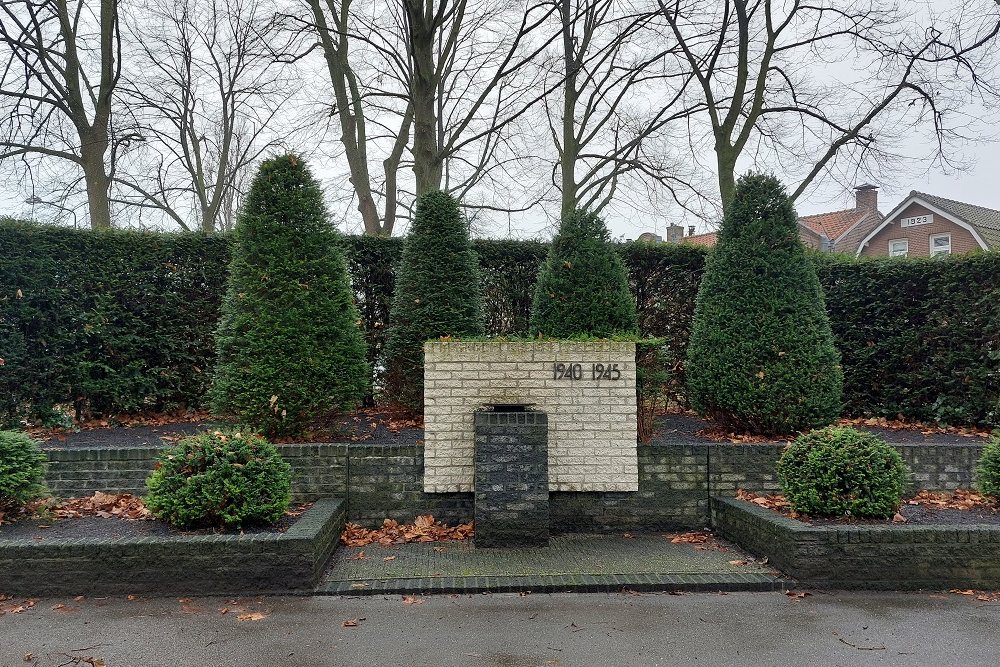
<point x="512" y="479"/>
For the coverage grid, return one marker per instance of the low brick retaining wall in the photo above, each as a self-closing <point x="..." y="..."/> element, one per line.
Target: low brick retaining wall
<point x="886" y="557"/>
<point x="177" y="564"/>
<point x="387" y="481"/>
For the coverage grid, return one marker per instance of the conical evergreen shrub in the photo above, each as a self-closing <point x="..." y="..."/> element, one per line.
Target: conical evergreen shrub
<point x="582" y="287"/>
<point x="437" y="294"/>
<point x="289" y="347"/>
<point x="761" y="357"/>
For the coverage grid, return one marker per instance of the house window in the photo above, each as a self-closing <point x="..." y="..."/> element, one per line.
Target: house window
<point x="940" y="244"/>
<point x="899" y="247"/>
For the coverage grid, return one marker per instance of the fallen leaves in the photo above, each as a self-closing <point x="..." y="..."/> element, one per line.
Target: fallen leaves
<point x="8" y="605"/>
<point x="410" y="599"/>
<point x="252" y="616"/>
<point x="775" y="502"/>
<point x="103" y="505"/>
<point x="699" y="539"/>
<point x="922" y="427"/>
<point x="423" y="529"/>
<point x="719" y="434"/>
<point x="352" y="622"/>
<point x="150" y="419"/>
<point x="980" y="596"/>
<point x="960" y="499"/>
<point x="797" y="596"/>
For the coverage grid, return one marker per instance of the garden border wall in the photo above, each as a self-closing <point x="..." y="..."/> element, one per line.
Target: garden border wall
<point x="381" y="481"/>
<point x="227" y="564"/>
<point x="862" y="556"/>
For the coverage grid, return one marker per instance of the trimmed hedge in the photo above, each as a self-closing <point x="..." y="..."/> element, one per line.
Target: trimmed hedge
<point x="288" y="345"/>
<point x="582" y="288"/>
<point x="22" y="470"/>
<point x="837" y="471"/>
<point x="108" y="322"/>
<point x="902" y="350"/>
<point x="223" y="479"/>
<point x="438" y="294"/>
<point x="918" y="337"/>
<point x="761" y="357"/>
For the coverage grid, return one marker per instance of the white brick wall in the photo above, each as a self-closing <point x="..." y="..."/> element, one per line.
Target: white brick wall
<point x="592" y="422"/>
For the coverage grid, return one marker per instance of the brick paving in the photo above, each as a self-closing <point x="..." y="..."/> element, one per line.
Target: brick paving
<point x="581" y="563"/>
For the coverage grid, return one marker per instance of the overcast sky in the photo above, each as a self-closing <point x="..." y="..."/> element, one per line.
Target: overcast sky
<point x="976" y="185"/>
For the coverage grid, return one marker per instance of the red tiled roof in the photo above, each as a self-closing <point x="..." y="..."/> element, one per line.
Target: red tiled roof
<point x="708" y="239"/>
<point x="833" y="224"/>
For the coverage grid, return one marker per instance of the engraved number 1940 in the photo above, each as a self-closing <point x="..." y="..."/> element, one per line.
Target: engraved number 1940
<point x="574" y="371"/>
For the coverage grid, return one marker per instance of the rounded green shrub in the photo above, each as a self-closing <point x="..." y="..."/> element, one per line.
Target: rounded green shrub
<point x="582" y="287"/>
<point x="289" y="346"/>
<point x="223" y="479"/>
<point x="438" y="294"/>
<point x="840" y="471"/>
<point x="988" y="469"/>
<point x="761" y="357"/>
<point x="22" y="469"/>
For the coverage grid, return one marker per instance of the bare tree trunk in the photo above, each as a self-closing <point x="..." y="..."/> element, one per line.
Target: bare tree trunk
<point x="427" y="166"/>
<point x="570" y="146"/>
<point x="92" y="154"/>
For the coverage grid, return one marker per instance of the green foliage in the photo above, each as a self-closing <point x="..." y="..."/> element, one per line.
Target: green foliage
<point x="438" y="293"/>
<point x="222" y="479"/>
<point x="988" y="469"/>
<point x="655" y="382"/>
<point x="98" y="324"/>
<point x="918" y="337"/>
<point x="22" y="469"/>
<point x="839" y="471"/>
<point x="761" y="357"/>
<point x="582" y="286"/>
<point x="123" y="321"/>
<point x="664" y="280"/>
<point x="289" y="348"/>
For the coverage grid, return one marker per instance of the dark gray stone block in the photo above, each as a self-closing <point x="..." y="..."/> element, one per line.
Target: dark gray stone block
<point x="512" y="479"/>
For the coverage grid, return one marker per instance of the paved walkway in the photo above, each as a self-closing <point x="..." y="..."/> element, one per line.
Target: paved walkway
<point x="606" y="630"/>
<point x="580" y="563"/>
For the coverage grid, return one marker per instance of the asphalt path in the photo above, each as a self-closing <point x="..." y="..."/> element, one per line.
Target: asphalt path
<point x="757" y="629"/>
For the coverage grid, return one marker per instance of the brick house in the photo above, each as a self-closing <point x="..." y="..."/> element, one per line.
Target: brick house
<point x="925" y="225"/>
<point x="922" y="225"/>
<point x="837" y="231"/>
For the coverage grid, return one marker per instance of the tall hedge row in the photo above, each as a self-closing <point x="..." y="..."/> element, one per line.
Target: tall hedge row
<point x="919" y="338"/>
<point x="108" y="322"/>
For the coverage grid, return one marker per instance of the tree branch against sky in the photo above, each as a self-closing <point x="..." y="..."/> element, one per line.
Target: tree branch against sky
<point x="207" y="95"/>
<point x="437" y="86"/>
<point x="767" y="73"/>
<point x="61" y="65"/>
<point x="617" y="103"/>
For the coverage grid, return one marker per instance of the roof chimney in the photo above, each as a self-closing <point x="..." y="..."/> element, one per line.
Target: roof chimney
<point x="866" y="198"/>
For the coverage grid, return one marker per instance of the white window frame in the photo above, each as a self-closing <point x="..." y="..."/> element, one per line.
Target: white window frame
<point x="906" y="247"/>
<point x="930" y="244"/>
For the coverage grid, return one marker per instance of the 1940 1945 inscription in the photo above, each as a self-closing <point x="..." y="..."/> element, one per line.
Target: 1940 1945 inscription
<point x="575" y="371"/>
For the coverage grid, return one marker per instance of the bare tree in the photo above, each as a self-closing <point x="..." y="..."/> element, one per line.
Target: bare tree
<point x="437" y="85"/>
<point x="766" y="73"/>
<point x="606" y="134"/>
<point x="57" y="87"/>
<point x="206" y="94"/>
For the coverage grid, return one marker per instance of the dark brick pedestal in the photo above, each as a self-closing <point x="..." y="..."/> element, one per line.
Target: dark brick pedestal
<point x="512" y="479"/>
